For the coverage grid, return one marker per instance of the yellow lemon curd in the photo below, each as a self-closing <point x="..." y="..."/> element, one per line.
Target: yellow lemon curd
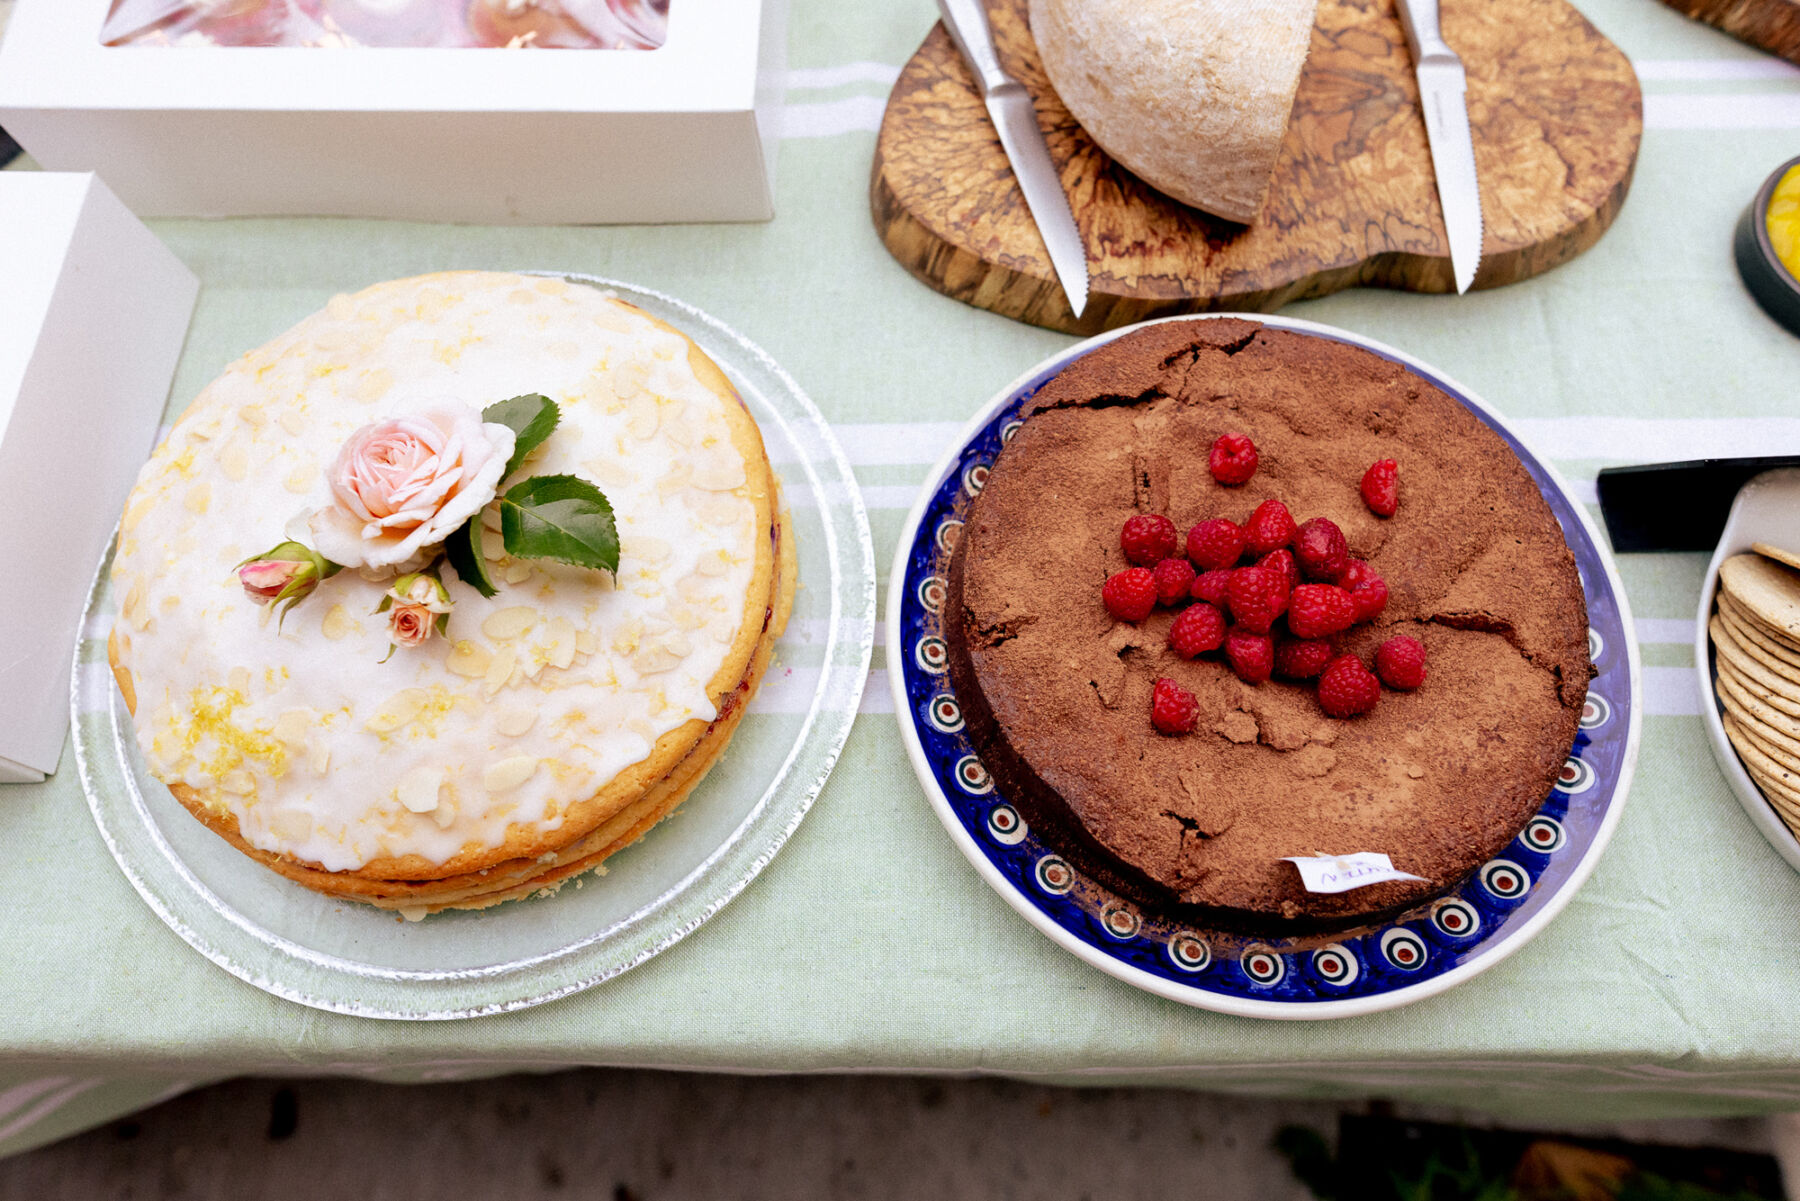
<point x="1784" y="221"/>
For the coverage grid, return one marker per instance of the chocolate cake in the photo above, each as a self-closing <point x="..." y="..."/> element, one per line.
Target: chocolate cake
<point x="1057" y="693"/>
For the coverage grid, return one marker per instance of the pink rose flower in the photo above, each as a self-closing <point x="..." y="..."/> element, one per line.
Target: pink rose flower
<point x="409" y="625"/>
<point x="405" y="484"/>
<point x="416" y="605"/>
<point x="265" y="581"/>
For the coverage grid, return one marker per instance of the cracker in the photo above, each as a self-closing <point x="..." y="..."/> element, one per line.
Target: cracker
<point x="1768" y="590"/>
<point x="1723" y="625"/>
<point x="1772" y="637"/>
<point x="1783" y="693"/>
<point x="1769" y="551"/>
<point x="1787" y="759"/>
<point x="1730" y="690"/>
<point x="1783" y="780"/>
<point x="1755" y="689"/>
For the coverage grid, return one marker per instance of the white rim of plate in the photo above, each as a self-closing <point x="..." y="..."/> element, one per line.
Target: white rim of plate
<point x="838" y="625"/>
<point x="1192" y="995"/>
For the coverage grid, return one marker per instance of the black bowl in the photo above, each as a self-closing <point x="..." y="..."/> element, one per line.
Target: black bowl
<point x="1774" y="287"/>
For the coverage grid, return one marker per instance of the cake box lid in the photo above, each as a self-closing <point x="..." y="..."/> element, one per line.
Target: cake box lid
<point x="92" y="322"/>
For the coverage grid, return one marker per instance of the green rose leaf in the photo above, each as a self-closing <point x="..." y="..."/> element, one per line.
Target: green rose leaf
<point x="560" y="517"/>
<point x="463" y="549"/>
<point x="532" y="418"/>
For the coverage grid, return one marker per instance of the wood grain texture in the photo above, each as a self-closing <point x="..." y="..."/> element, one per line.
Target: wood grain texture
<point x="1773" y="25"/>
<point x="1555" y="109"/>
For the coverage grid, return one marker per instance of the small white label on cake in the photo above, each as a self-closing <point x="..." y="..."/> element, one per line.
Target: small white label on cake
<point x="1341" y="873"/>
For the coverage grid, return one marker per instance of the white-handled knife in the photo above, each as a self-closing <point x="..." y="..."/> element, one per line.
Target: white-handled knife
<point x="1442" y="85"/>
<point x="1009" y="105"/>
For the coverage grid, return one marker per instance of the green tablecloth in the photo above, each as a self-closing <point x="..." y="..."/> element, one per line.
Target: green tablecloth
<point x="1666" y="988"/>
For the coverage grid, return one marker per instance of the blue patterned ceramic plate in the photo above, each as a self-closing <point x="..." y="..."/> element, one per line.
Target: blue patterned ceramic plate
<point x="1423" y="952"/>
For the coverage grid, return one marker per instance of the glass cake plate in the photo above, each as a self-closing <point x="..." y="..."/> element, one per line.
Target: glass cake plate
<point x="356" y="959"/>
<point x="1505" y="903"/>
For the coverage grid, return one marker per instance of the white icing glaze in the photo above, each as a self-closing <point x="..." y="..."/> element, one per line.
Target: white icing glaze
<point x="537" y="697"/>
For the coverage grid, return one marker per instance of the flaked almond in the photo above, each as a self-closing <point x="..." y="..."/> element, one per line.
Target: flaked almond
<point x="340" y="307"/>
<point x="252" y="415"/>
<point x="444" y="815"/>
<point x="238" y="678"/>
<point x="500" y="669"/>
<point x="418" y="788"/>
<point x="715" y="564"/>
<point x="239" y="782"/>
<point x="503" y="624"/>
<point x="292" y="420"/>
<point x="300" y="479"/>
<point x="585" y="642"/>
<point x="337" y="623"/>
<point x="720" y="473"/>
<point x="318" y="756"/>
<point x="469" y="659"/>
<point x="628" y="380"/>
<point x="642" y="416"/>
<point x="515" y="722"/>
<point x="371" y="386"/>
<point x="508" y="774"/>
<point x="291" y="825"/>
<point x="397" y="710"/>
<point x="517" y="573"/>
<point x="721" y="510"/>
<point x="295" y="726"/>
<point x="647" y="548"/>
<point x="198" y="498"/>
<point x="675" y="479"/>
<point x="655" y="659"/>
<point x="234" y="462"/>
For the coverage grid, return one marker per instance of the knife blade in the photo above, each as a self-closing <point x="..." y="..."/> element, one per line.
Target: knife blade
<point x="1009" y="107"/>
<point x="134" y="16"/>
<point x="1442" y="98"/>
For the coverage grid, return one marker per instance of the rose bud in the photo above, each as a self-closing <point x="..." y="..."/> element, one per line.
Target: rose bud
<point x="419" y="604"/>
<point x="284" y="575"/>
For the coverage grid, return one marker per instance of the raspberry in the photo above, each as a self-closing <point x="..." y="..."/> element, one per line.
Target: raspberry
<point x="1173" y="708"/>
<point x="1130" y="594"/>
<point x="1209" y="586"/>
<point x="1257" y="596"/>
<point x="1215" y="543"/>
<point x="1271" y="527"/>
<point x="1173" y="579"/>
<point x="1301" y="658"/>
<point x="1401" y="663"/>
<point x="1381" y="488"/>
<point x="1320" y="549"/>
<point x="1199" y="628"/>
<point x="1282" y="561"/>
<point x="1252" y="656"/>
<point x="1148" y="539"/>
<point x="1316" y="610"/>
<point x="1348" y="688"/>
<point x="1233" y="459"/>
<point x="1368" y="591"/>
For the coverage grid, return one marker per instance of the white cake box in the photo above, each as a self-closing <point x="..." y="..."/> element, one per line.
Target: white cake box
<point x="684" y="132"/>
<point x="93" y="315"/>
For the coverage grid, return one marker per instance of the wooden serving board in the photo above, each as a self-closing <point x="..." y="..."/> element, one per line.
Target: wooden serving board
<point x="1773" y="25"/>
<point x="1554" y="106"/>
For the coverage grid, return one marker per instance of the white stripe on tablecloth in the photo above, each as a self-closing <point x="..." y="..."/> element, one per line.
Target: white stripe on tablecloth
<point x="852" y="114"/>
<point x="1679" y="630"/>
<point x="803" y="78"/>
<point x="1779" y="110"/>
<point x="1671" y="692"/>
<point x="1700" y="70"/>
